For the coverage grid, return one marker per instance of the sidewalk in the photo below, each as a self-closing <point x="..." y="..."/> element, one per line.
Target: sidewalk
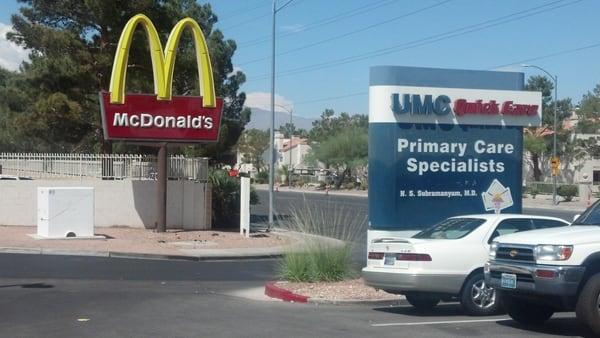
<point x="143" y="243"/>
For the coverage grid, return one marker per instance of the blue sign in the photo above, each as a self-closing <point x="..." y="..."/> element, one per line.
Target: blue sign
<point x="422" y="172"/>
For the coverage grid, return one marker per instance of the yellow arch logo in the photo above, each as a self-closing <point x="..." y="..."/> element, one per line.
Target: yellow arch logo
<point x="162" y="63"/>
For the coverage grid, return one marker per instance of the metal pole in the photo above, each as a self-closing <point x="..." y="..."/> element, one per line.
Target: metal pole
<point x="554" y="138"/>
<point x="555" y="78"/>
<point x="272" y="124"/>
<point x="161" y="216"/>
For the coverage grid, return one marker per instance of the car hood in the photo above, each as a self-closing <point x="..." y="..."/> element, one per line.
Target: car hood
<point x="561" y="235"/>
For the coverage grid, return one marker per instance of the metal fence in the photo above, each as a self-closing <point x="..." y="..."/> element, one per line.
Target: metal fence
<point x="101" y="166"/>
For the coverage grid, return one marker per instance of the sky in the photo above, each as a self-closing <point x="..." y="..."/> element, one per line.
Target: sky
<point x="324" y="49"/>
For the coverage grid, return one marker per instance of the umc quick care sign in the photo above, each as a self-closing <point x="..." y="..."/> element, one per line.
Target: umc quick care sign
<point x="161" y="116"/>
<point x="444" y="143"/>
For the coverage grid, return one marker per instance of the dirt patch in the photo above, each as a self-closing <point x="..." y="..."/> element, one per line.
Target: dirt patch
<point x="348" y="290"/>
<point x="122" y="239"/>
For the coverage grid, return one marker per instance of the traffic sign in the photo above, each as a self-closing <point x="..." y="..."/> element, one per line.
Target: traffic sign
<point x="555" y="163"/>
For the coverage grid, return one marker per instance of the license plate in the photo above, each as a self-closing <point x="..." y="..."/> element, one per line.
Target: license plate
<point x="389" y="259"/>
<point x="508" y="281"/>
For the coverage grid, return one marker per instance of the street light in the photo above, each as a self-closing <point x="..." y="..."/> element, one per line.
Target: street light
<point x="289" y="111"/>
<point x="272" y="136"/>
<point x="555" y="79"/>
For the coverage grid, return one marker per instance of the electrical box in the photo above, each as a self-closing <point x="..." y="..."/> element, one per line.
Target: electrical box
<point x="65" y="212"/>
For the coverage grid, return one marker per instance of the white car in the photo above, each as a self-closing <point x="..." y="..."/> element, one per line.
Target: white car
<point x="445" y="261"/>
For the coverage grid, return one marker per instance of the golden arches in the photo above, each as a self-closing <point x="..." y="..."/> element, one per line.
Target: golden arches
<point x="163" y="64"/>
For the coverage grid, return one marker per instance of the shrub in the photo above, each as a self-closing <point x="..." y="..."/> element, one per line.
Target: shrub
<point x="567" y="192"/>
<point x="226" y="199"/>
<point x="322" y="259"/>
<point x="533" y="191"/>
<point x="262" y="177"/>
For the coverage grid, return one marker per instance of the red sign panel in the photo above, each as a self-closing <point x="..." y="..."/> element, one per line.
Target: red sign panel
<point x="144" y="118"/>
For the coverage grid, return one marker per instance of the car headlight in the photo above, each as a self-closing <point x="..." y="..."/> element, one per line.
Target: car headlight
<point x="493" y="248"/>
<point x="553" y="252"/>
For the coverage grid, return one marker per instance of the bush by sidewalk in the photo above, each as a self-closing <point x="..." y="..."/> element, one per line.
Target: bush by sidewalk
<point x="226" y="199"/>
<point x="322" y="261"/>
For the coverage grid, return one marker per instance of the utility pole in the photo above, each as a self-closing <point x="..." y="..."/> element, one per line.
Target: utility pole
<point x="555" y="79"/>
<point x="272" y="136"/>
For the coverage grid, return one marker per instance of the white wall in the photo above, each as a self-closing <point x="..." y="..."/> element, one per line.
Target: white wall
<point x="125" y="203"/>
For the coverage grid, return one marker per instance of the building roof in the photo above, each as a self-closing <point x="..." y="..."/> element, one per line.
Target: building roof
<point x="295" y="141"/>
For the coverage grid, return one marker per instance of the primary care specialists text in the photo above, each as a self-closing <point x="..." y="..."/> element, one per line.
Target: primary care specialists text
<point x="458" y="163"/>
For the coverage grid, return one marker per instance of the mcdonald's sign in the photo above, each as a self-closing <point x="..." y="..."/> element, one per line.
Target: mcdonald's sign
<point x="161" y="117"/>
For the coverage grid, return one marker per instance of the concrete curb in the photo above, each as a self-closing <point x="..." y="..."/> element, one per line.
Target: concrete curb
<point x="274" y="291"/>
<point x="129" y="255"/>
<point x="371" y="302"/>
<point x="285" y="295"/>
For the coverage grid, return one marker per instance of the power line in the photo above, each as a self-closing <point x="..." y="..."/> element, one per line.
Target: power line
<point x="541" y="57"/>
<point x="244" y="10"/>
<point x="330" y="98"/>
<point x="252" y="19"/>
<point x="562" y="52"/>
<point x="245" y="22"/>
<point x="322" y="22"/>
<point x="424" y="41"/>
<point x="360" y="30"/>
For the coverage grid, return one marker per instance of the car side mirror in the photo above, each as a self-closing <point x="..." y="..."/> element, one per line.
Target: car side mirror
<point x="576" y="217"/>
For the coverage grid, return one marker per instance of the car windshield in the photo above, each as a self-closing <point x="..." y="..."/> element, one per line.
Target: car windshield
<point x="451" y="228"/>
<point x="589" y="217"/>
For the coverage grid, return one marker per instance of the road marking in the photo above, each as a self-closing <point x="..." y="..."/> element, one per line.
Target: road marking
<point x="443" y="322"/>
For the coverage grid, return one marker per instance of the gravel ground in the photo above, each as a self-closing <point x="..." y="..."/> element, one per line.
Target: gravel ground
<point x="353" y="289"/>
<point x="143" y="240"/>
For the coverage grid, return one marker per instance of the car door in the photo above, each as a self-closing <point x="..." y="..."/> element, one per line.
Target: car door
<point x="510" y="226"/>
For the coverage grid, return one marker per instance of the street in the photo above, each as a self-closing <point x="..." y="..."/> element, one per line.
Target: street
<point x="66" y="296"/>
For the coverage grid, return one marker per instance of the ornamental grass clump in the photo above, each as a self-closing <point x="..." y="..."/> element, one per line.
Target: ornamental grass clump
<point x="329" y="233"/>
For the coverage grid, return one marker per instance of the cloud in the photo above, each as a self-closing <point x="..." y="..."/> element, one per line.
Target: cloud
<point x="262" y="100"/>
<point x="293" y="28"/>
<point x="11" y="54"/>
<point x="235" y="70"/>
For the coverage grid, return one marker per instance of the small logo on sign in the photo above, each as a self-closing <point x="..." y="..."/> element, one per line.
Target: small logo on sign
<point x="497" y="197"/>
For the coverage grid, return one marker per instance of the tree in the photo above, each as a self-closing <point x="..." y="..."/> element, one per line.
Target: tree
<point x="345" y="151"/>
<point x="538" y="141"/>
<point x="329" y="124"/>
<point x="288" y="130"/>
<point x="589" y="112"/>
<point x="534" y="141"/>
<point x="252" y="145"/>
<point x="72" y="45"/>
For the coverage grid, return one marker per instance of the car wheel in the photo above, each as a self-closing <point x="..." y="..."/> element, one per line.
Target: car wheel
<point x="525" y="312"/>
<point x="422" y="301"/>
<point x="588" y="304"/>
<point x="477" y="298"/>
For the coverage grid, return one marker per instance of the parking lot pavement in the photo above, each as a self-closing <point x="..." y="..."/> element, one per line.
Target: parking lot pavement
<point x="448" y="320"/>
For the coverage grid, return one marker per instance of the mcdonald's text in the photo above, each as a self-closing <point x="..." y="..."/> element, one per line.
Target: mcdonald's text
<point x="144" y="118"/>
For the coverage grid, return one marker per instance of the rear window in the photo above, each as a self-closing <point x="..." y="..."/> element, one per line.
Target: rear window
<point x="451" y="228"/>
<point x="589" y="217"/>
<point x="540" y="223"/>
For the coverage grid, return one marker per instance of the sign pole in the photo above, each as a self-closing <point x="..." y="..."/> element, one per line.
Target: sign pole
<point x="161" y="225"/>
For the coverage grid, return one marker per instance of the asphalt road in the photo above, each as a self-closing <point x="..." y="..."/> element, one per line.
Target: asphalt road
<point x="285" y="201"/>
<point x="65" y="296"/>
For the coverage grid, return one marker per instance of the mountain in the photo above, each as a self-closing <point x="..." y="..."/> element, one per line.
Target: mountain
<point x="260" y="119"/>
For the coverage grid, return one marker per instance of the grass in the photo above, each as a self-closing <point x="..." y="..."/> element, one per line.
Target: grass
<point x="322" y="260"/>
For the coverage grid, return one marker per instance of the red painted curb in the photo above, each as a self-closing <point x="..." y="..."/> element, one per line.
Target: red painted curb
<point x="274" y="291"/>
